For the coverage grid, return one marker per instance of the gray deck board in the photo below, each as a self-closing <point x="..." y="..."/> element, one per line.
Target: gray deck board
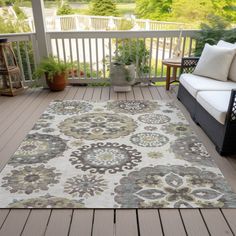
<point x="81" y="224"/>
<point x="59" y="222"/>
<point x="103" y="218"/>
<point x="126" y="223"/>
<point x="172" y="223"/>
<point x="37" y="222"/>
<point x="193" y="222"/>
<point x="15" y="222"/>
<point x="17" y="117"/>
<point x="149" y="222"/>
<point x="215" y="222"/>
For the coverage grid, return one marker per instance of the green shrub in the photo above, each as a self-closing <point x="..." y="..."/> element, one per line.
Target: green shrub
<point x="212" y="32"/>
<point x="65" y="9"/>
<point x="133" y="52"/>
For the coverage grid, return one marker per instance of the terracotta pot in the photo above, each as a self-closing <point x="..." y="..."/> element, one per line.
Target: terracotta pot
<point x="58" y="83"/>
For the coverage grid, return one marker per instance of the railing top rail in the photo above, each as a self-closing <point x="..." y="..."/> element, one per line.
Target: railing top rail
<point x="121" y="34"/>
<point x="18" y="36"/>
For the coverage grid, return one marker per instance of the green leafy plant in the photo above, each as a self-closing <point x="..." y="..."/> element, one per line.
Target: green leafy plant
<point x="212" y="32"/>
<point x="64" y="9"/>
<point x="50" y="67"/>
<point x="103" y="8"/>
<point x="133" y="52"/>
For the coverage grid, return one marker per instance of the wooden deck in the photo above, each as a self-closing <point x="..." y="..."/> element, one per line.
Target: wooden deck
<point x="18" y="115"/>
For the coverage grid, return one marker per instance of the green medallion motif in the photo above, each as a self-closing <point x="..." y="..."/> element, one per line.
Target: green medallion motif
<point x="98" y="126"/>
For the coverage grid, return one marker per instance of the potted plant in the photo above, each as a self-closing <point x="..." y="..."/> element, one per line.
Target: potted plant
<point x="130" y="62"/>
<point x="55" y="71"/>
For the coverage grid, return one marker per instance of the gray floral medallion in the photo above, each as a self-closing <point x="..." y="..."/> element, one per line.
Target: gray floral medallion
<point x="47" y="201"/>
<point x="177" y="129"/>
<point x="69" y="107"/>
<point x="133" y="106"/>
<point x="29" y="179"/>
<point x="102" y="157"/>
<point x="172" y="186"/>
<point x="192" y="150"/>
<point x="38" y="148"/>
<point x="154" y="119"/>
<point x="115" y="154"/>
<point x="148" y="139"/>
<point x="98" y="126"/>
<point x="85" y="186"/>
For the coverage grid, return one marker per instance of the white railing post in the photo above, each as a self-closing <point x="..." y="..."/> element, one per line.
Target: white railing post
<point x="58" y="23"/>
<point x="147" y="25"/>
<point x="40" y="29"/>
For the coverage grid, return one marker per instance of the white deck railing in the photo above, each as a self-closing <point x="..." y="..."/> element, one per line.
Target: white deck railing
<point x="91" y="52"/>
<point x="26" y="50"/>
<point x="87" y="22"/>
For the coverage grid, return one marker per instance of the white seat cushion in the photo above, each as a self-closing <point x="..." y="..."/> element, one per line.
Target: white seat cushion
<point x="194" y="83"/>
<point x="232" y="70"/>
<point x="215" y="102"/>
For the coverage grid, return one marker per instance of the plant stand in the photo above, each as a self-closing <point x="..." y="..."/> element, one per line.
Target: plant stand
<point x="122" y="88"/>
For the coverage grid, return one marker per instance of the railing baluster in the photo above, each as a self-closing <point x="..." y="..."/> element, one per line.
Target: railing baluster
<point x="163" y="54"/>
<point x="104" y="58"/>
<point x="84" y="58"/>
<point x="97" y="66"/>
<point x="57" y="48"/>
<point x="90" y="59"/>
<point x="157" y="57"/>
<point x="20" y="60"/>
<point x="190" y="46"/>
<point x="63" y="47"/>
<point x="27" y="62"/>
<point x="170" y="51"/>
<point x="77" y="56"/>
<point x="71" y="52"/>
<point x="183" y="49"/>
<point x="150" y="59"/>
<point x="110" y="52"/>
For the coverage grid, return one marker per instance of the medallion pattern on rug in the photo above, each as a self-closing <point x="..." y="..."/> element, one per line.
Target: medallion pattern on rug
<point x="115" y="154"/>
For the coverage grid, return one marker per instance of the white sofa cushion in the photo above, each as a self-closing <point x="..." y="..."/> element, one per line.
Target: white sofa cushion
<point x="216" y="103"/>
<point x="194" y="83"/>
<point x="232" y="70"/>
<point x="215" y="62"/>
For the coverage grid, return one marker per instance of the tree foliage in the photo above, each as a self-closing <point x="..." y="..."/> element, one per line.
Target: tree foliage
<point x="153" y="9"/>
<point x="212" y="32"/>
<point x="103" y="8"/>
<point x="64" y="9"/>
<point x="186" y="10"/>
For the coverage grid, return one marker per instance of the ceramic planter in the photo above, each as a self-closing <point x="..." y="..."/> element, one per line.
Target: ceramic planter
<point x="122" y="76"/>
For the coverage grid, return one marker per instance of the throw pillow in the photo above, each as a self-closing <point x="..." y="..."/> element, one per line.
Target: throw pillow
<point x="232" y="70"/>
<point x="215" y="62"/>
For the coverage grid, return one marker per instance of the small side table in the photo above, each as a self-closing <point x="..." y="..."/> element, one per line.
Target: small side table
<point x="171" y="64"/>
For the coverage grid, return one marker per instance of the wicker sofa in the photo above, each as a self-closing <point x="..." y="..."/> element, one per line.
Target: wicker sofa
<point x="211" y="104"/>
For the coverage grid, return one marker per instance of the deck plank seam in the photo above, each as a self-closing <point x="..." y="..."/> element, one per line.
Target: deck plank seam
<point x="5" y="219"/>
<point x="20" y="113"/>
<point x="45" y="230"/>
<point x="92" y="226"/>
<point x="162" y="228"/>
<point x="227" y="221"/>
<point x="208" y="230"/>
<point x="23" y="228"/>
<point x="72" y="215"/>
<point x="182" y="220"/>
<point x="137" y="221"/>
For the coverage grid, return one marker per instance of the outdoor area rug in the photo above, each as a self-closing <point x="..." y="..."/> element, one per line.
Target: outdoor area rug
<point x="116" y="154"/>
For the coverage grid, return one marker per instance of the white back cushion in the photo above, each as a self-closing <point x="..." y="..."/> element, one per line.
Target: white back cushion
<point x="215" y="62"/>
<point x="232" y="70"/>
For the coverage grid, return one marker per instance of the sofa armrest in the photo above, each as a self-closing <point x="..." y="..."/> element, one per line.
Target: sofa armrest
<point x="231" y="114"/>
<point x="188" y="64"/>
